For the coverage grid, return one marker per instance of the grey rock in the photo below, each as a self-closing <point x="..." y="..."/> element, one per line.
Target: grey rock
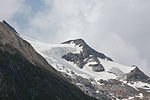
<point x="118" y="88"/>
<point x="137" y="75"/>
<point x="88" y="54"/>
<point x="10" y="27"/>
<point x="97" y="67"/>
<point x="87" y="50"/>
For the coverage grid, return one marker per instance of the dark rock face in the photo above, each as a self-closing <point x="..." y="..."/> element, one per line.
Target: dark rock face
<point x="10" y="27"/>
<point x="97" y="67"/>
<point x="137" y="75"/>
<point x="76" y="58"/>
<point x="85" y="56"/>
<point x="119" y="89"/>
<point x="106" y="90"/>
<point x="87" y="87"/>
<point x="87" y="50"/>
<point x="10" y="37"/>
<point x="25" y="75"/>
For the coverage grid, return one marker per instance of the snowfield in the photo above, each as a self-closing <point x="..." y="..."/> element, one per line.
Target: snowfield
<point x="53" y="54"/>
<point x="116" y="68"/>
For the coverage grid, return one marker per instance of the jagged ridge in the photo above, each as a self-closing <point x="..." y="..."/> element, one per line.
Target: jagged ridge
<point x="85" y="56"/>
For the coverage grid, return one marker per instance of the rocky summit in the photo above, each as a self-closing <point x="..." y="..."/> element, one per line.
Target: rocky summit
<point x="86" y="55"/>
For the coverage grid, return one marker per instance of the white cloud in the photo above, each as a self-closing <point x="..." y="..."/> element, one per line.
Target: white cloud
<point x="8" y="8"/>
<point x="13" y="10"/>
<point x="113" y="45"/>
<point x="70" y="18"/>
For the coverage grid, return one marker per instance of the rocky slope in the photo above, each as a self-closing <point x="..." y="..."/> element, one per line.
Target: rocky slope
<point x="93" y="72"/>
<point x="25" y="75"/>
<point x="87" y="54"/>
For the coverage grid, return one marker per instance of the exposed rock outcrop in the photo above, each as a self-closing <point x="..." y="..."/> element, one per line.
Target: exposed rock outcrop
<point x="137" y="75"/>
<point x="84" y="57"/>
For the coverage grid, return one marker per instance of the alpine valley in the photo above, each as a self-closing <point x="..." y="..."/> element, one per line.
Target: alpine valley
<point x="72" y="70"/>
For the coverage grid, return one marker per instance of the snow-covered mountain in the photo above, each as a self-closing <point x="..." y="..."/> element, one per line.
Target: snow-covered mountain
<point x="93" y="72"/>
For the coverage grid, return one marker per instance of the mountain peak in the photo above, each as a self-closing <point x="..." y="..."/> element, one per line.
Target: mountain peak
<point x="85" y="56"/>
<point x="78" y="41"/>
<point x="137" y="75"/>
<point x="9" y="26"/>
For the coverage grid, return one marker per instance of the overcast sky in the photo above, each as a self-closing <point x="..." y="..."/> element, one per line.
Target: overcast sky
<point x="118" y="28"/>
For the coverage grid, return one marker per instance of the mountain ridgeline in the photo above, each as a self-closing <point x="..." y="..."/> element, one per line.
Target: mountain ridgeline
<point x="26" y="75"/>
